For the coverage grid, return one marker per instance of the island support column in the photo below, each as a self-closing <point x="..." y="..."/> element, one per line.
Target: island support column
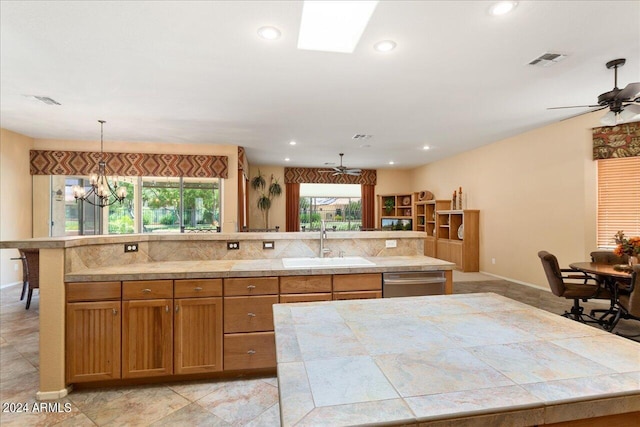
<point x="52" y="325"/>
<point x="448" y="284"/>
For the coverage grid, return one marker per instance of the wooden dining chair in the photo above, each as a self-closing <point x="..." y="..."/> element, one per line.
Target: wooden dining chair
<point x="25" y="271"/>
<point x="571" y="284"/>
<point x="32" y="261"/>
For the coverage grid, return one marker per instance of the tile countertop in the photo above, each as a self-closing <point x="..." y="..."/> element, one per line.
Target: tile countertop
<point x="482" y="357"/>
<point x="247" y="268"/>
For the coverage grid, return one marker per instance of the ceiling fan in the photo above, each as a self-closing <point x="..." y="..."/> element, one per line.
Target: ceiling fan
<point x="623" y="104"/>
<point x="343" y="170"/>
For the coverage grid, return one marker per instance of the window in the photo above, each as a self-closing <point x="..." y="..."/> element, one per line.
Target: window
<point x="340" y="205"/>
<point x="164" y="204"/>
<point x="618" y="199"/>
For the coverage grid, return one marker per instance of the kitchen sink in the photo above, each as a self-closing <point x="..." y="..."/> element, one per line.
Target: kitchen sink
<point x="348" y="261"/>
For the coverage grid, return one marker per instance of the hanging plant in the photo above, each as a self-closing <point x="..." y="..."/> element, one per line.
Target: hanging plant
<point x="259" y="184"/>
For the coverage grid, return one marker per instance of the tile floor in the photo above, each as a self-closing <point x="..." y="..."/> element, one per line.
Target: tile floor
<point x="246" y="402"/>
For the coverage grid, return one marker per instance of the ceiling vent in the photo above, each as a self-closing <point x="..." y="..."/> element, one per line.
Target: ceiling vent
<point x="548" y="59"/>
<point x="359" y="136"/>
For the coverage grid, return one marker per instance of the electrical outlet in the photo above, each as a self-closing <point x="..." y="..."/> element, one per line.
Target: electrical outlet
<point x="391" y="244"/>
<point x="130" y="247"/>
<point x="268" y="244"/>
<point x="233" y="246"/>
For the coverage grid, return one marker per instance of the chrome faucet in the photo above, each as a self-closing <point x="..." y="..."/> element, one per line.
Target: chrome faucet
<point x="323" y="236"/>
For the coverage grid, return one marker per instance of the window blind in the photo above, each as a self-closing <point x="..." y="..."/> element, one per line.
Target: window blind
<point x="618" y="199"/>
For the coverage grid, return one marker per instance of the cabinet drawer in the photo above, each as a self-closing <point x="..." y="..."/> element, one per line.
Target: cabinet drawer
<point x="357" y="282"/>
<point x="305" y="297"/>
<point x="147" y="289"/>
<point x="249" y="351"/>
<point x="305" y="284"/>
<point x="197" y="288"/>
<point x="357" y="295"/>
<point x="249" y="314"/>
<point x="251" y="286"/>
<point x="93" y="291"/>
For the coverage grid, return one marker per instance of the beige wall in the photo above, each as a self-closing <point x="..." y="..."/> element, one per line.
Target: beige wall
<point x="15" y="200"/>
<point x="277" y="213"/>
<point x="534" y="191"/>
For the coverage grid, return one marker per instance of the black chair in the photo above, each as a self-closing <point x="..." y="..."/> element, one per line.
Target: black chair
<point x="25" y="278"/>
<point x="575" y="286"/>
<point x="31" y="264"/>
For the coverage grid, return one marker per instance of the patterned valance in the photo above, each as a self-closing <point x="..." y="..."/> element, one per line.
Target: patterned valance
<point x="128" y="164"/>
<point x="313" y="176"/>
<point x="243" y="162"/>
<point x="616" y="141"/>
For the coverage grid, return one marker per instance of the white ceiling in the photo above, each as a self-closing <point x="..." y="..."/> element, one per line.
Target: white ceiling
<point x="197" y="72"/>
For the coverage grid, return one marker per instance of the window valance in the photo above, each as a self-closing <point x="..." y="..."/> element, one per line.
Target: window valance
<point x="616" y="141"/>
<point x="128" y="164"/>
<point x="313" y="176"/>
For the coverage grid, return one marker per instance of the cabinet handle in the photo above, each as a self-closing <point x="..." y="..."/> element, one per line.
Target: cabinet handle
<point x="146" y="291"/>
<point x="177" y="308"/>
<point x="251" y="314"/>
<point x="251" y="352"/>
<point x="115" y="312"/>
<point x="197" y="288"/>
<point x="166" y="308"/>
<point x="251" y="287"/>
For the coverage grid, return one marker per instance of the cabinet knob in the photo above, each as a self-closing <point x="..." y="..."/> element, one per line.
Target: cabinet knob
<point x="146" y="291"/>
<point x="251" y="314"/>
<point x="251" y="287"/>
<point x="197" y="288"/>
<point x="177" y="308"/>
<point x="115" y="312"/>
<point x="251" y="352"/>
<point x="166" y="308"/>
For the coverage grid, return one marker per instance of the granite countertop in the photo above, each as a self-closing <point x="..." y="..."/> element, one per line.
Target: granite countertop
<point x="247" y="268"/>
<point x="437" y="358"/>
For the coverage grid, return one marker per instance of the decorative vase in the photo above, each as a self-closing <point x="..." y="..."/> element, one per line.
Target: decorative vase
<point x="633" y="260"/>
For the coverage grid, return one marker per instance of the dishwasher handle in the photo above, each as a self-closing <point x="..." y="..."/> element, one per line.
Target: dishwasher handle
<point x="414" y="281"/>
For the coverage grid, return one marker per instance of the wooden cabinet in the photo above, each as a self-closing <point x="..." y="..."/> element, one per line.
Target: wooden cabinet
<point x="147" y="329"/>
<point x="426" y="221"/>
<point x="197" y="338"/>
<point x="457" y="234"/>
<point x="305" y="288"/>
<point x="357" y="286"/>
<point x="92" y="339"/>
<point x="249" y="341"/>
<point x="395" y="211"/>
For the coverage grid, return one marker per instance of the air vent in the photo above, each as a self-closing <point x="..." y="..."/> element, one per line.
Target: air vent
<point x="359" y="136"/>
<point x="547" y="59"/>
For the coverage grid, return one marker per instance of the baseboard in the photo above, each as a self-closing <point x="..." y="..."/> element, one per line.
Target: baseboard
<point x="53" y="395"/>
<point x="520" y="282"/>
<point x="8" y="285"/>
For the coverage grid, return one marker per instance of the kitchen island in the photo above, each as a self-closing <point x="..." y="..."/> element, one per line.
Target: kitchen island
<point x="80" y="273"/>
<point x="469" y="359"/>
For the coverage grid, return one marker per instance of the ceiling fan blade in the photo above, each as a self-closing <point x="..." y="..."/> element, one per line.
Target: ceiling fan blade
<point x="326" y="171"/>
<point x="352" y="173"/>
<point x="629" y="93"/>
<point x="585" y="112"/>
<point x="354" y="170"/>
<point x="573" y="106"/>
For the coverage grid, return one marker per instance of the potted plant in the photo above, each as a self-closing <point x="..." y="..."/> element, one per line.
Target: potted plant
<point x="389" y="205"/>
<point x="266" y="194"/>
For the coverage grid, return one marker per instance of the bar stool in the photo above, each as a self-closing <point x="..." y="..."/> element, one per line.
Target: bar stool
<point x="30" y="272"/>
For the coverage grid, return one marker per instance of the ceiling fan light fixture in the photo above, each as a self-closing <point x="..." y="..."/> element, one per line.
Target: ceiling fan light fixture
<point x="502" y="8"/>
<point x="609" y="119"/>
<point x="631" y="113"/>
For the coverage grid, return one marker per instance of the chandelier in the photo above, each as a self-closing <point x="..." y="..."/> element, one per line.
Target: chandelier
<point x="102" y="193"/>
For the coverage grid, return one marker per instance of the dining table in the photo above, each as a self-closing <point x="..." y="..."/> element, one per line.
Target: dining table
<point x="612" y="279"/>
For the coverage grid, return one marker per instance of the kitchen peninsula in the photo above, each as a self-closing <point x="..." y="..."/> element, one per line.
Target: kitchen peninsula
<point x="175" y="278"/>
<point x="467" y="359"/>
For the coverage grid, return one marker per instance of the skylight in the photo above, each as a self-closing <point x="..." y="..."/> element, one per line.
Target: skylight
<point x="334" y="26"/>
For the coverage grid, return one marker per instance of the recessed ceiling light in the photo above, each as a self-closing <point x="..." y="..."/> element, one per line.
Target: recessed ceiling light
<point x="385" y="46"/>
<point x="334" y="26"/>
<point x="426" y="147"/>
<point x="502" y="7"/>
<point x="286" y="159"/>
<point x="269" y="33"/>
<point x="292" y="143"/>
<point x="392" y="162"/>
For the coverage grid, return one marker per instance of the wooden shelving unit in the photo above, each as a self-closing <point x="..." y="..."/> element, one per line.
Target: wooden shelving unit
<point x="394" y="210"/>
<point x="457" y="238"/>
<point x="426" y="221"/>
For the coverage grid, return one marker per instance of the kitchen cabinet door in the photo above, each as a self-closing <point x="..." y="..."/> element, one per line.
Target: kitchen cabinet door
<point x="93" y="341"/>
<point x="198" y="335"/>
<point x="147" y="338"/>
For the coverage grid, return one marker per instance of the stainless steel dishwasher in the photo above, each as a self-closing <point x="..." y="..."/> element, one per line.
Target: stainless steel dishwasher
<point x="413" y="283"/>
